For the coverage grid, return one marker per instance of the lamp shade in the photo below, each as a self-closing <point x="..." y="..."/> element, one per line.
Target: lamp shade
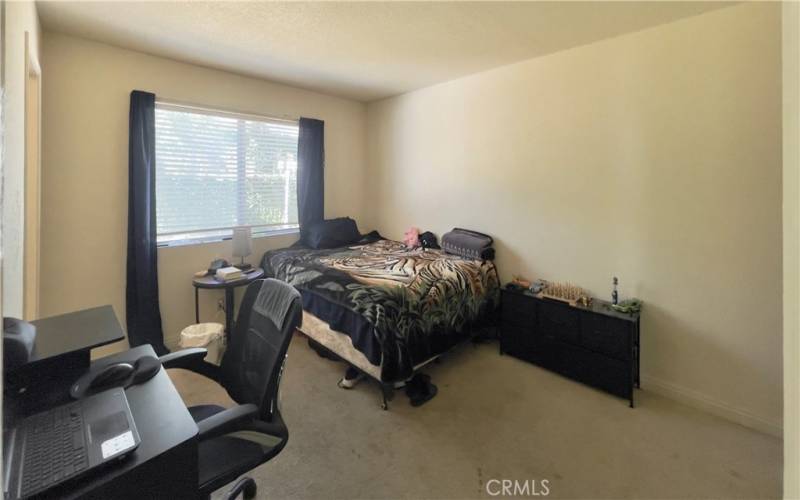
<point x="242" y="242"/>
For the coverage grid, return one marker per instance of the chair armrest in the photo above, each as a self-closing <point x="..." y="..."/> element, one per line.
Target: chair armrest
<point x="191" y="359"/>
<point x="179" y="359"/>
<point x="276" y="427"/>
<point x="226" y="421"/>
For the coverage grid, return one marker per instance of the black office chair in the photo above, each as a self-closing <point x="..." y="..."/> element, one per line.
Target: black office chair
<point x="234" y="441"/>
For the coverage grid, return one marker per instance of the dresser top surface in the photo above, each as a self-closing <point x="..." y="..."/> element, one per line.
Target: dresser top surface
<point x="597" y="306"/>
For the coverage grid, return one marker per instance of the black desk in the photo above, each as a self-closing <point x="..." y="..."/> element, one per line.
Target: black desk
<point x="62" y="349"/>
<point x="164" y="465"/>
<point x="76" y="332"/>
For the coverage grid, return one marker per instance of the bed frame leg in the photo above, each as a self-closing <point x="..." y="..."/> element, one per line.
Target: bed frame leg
<point x="387" y="391"/>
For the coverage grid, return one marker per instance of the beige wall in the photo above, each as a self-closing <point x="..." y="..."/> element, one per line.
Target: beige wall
<point x="654" y="156"/>
<point x="791" y="249"/>
<point x="21" y="18"/>
<point x="85" y="168"/>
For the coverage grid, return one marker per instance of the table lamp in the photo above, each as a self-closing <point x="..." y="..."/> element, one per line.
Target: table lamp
<point x="242" y="246"/>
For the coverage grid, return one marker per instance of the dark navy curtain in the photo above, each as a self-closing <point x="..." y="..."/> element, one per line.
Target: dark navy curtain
<point x="143" y="314"/>
<point x="310" y="171"/>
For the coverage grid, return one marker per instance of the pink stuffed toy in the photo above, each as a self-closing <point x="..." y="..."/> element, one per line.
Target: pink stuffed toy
<point x="411" y="237"/>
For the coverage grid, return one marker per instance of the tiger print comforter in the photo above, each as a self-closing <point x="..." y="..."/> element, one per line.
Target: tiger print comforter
<point x="400" y="306"/>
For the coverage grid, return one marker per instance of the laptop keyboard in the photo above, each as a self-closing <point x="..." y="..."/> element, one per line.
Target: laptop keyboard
<point x="54" y="448"/>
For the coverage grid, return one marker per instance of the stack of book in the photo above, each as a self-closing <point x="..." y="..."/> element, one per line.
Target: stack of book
<point x="229" y="274"/>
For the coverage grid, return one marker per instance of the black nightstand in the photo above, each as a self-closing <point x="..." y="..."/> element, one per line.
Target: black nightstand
<point x="594" y="345"/>
<point x="211" y="282"/>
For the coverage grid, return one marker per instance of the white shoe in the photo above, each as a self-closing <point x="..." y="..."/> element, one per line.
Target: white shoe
<point x="351" y="378"/>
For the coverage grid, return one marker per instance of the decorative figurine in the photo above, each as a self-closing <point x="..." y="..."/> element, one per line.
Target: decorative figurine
<point x="614" y="294"/>
<point x="565" y="292"/>
<point x="630" y="306"/>
<point x="538" y="285"/>
<point x="520" y="281"/>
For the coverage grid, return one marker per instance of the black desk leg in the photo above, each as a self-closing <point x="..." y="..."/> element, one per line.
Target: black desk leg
<point x="229" y="311"/>
<point x="638" y="357"/>
<point x="196" y="305"/>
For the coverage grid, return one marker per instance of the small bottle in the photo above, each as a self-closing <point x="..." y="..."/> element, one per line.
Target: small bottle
<point x="614" y="295"/>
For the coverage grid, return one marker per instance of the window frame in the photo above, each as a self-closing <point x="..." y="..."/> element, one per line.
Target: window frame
<point x="212" y="235"/>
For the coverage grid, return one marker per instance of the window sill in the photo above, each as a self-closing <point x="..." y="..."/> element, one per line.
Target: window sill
<point x="217" y="239"/>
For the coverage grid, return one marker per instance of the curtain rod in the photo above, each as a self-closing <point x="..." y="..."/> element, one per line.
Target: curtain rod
<point x="202" y="107"/>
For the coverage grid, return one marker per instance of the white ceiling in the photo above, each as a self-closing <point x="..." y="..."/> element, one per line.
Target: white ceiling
<point x="363" y="51"/>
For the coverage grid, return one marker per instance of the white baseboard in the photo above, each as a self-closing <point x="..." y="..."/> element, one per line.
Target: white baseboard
<point x="713" y="406"/>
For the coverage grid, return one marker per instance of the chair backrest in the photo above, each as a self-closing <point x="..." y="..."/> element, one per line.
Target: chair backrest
<point x="253" y="361"/>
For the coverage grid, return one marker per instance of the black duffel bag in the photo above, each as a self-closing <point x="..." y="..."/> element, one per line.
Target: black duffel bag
<point x="469" y="244"/>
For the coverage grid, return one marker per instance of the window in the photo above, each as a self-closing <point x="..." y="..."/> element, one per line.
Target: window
<point x="218" y="170"/>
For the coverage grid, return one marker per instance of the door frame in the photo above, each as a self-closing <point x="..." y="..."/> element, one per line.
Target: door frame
<point x="33" y="183"/>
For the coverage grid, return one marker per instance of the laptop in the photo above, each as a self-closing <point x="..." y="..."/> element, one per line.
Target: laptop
<point x="61" y="444"/>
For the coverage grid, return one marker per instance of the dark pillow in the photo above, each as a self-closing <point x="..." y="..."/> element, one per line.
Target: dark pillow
<point x="330" y="233"/>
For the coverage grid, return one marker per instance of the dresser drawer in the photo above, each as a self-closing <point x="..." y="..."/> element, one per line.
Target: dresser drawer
<point x="518" y="309"/>
<point x="606" y="335"/>
<point x="517" y="341"/>
<point x="557" y="322"/>
<point x="608" y="374"/>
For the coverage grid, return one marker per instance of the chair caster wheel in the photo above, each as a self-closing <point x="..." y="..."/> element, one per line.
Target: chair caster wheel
<point x="246" y="486"/>
<point x="250" y="490"/>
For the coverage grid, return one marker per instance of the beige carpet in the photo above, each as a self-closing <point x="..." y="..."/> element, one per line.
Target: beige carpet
<point x="498" y="418"/>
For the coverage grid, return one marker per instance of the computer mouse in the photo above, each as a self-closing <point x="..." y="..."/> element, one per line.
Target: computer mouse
<point x="94" y="381"/>
<point x="111" y="376"/>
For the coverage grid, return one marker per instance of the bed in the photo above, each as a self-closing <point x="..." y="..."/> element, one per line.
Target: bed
<point x="384" y="308"/>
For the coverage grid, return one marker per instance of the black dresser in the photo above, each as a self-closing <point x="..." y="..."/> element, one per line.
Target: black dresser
<point x="594" y="345"/>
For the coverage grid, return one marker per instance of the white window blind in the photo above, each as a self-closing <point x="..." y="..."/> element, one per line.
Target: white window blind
<point x="218" y="170"/>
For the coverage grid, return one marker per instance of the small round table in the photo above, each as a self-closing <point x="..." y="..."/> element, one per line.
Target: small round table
<point x="211" y="282"/>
